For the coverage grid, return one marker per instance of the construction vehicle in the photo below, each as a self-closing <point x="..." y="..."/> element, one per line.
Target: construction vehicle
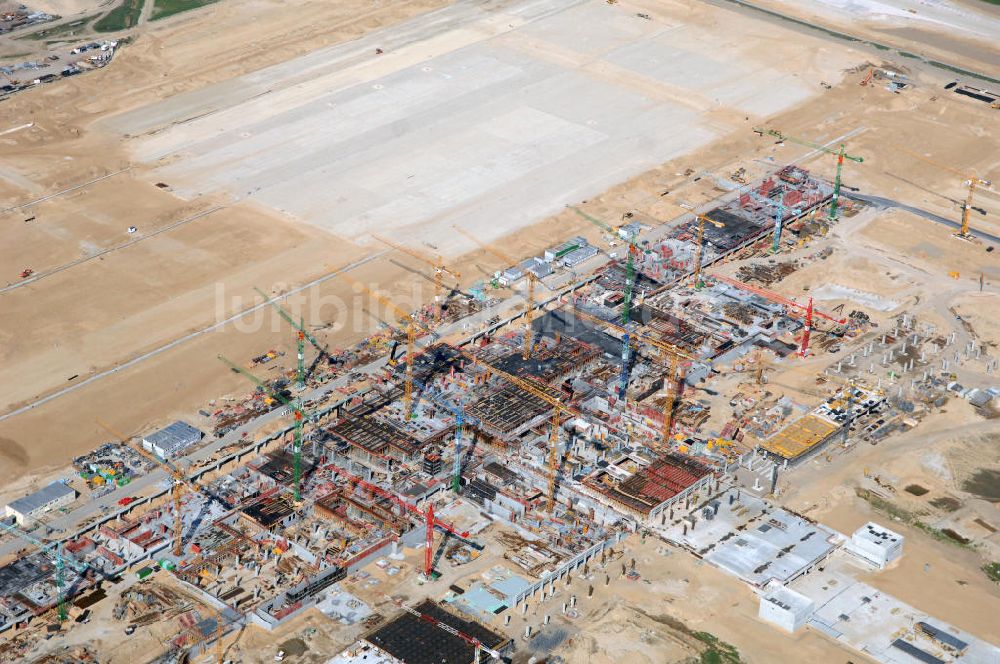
<point x="840" y="153"/>
<point x="26" y="272"/>
<point x="440" y="269"/>
<point x="529" y="307"/>
<point x="972" y="181"/>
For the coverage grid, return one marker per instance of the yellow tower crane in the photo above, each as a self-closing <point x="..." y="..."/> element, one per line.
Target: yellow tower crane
<point x="529" y="311"/>
<point x="700" y="246"/>
<point x="176" y="489"/>
<point x="671" y="381"/>
<point x="440" y="269"/>
<point x="411" y="342"/>
<point x="543" y="392"/>
<point x="972" y="181"/>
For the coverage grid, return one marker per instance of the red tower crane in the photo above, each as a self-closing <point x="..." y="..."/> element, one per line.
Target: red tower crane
<point x="428" y="516"/>
<point x="804" y="347"/>
<point x="807" y="310"/>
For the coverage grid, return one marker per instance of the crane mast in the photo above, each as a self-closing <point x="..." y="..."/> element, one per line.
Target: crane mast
<point x="840" y="154"/>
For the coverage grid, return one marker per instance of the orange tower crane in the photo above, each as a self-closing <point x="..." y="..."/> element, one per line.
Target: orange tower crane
<point x="671" y="382"/>
<point x="411" y="343"/>
<point x="544" y="393"/>
<point x="972" y="181"/>
<point x="176" y="490"/>
<point x="440" y="269"/>
<point x="700" y="247"/>
<point x="529" y="311"/>
<point x="428" y="516"/>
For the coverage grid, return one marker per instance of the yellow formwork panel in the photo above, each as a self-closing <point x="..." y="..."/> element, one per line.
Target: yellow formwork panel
<point x="799" y="437"/>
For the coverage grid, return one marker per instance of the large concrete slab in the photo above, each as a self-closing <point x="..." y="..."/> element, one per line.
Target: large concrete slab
<point x="485" y="119"/>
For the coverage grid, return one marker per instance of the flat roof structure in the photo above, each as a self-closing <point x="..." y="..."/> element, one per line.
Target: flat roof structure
<point x="55" y="493"/>
<point x="280" y="467"/>
<point x="778" y="546"/>
<point x="547" y="364"/>
<point x="171" y="439"/>
<point x="24" y="572"/>
<point x="415" y="641"/>
<point x="799" y="437"/>
<point x="375" y="435"/>
<point x="653" y="485"/>
<point x="271" y="511"/>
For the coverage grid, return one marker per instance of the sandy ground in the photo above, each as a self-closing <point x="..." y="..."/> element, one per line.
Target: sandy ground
<point x="959" y="32"/>
<point x="97" y="314"/>
<point x="101" y="312"/>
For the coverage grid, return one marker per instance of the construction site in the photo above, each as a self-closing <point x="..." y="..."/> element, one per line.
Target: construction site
<point x="532" y="331"/>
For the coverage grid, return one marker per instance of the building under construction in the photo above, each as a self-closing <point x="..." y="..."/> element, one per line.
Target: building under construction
<point x="418" y="638"/>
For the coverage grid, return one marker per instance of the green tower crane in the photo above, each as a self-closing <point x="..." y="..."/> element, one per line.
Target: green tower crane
<point x="840" y="153"/>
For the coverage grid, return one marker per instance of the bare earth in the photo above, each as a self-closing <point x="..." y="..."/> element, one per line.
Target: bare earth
<point x="674" y="95"/>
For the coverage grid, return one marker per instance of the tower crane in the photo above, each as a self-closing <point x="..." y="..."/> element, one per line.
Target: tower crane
<point x="779" y="215"/>
<point x="428" y="517"/>
<point x="632" y="250"/>
<point x="302" y="335"/>
<point x="792" y="307"/>
<point x="179" y="482"/>
<point x="176" y="489"/>
<point x="296" y="408"/>
<point x="411" y="343"/>
<point x="972" y="181"/>
<point x="543" y="392"/>
<point x="472" y="641"/>
<point x="700" y="247"/>
<point x="671" y="381"/>
<point x="440" y="269"/>
<point x="461" y="419"/>
<point x="840" y="154"/>
<point x="54" y="553"/>
<point x="529" y="311"/>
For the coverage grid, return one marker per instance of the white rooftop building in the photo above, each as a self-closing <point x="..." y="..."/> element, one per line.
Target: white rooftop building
<point x="171" y="440"/>
<point x="785" y="608"/>
<point x="559" y="251"/>
<point x="876" y="545"/>
<point x="44" y="500"/>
